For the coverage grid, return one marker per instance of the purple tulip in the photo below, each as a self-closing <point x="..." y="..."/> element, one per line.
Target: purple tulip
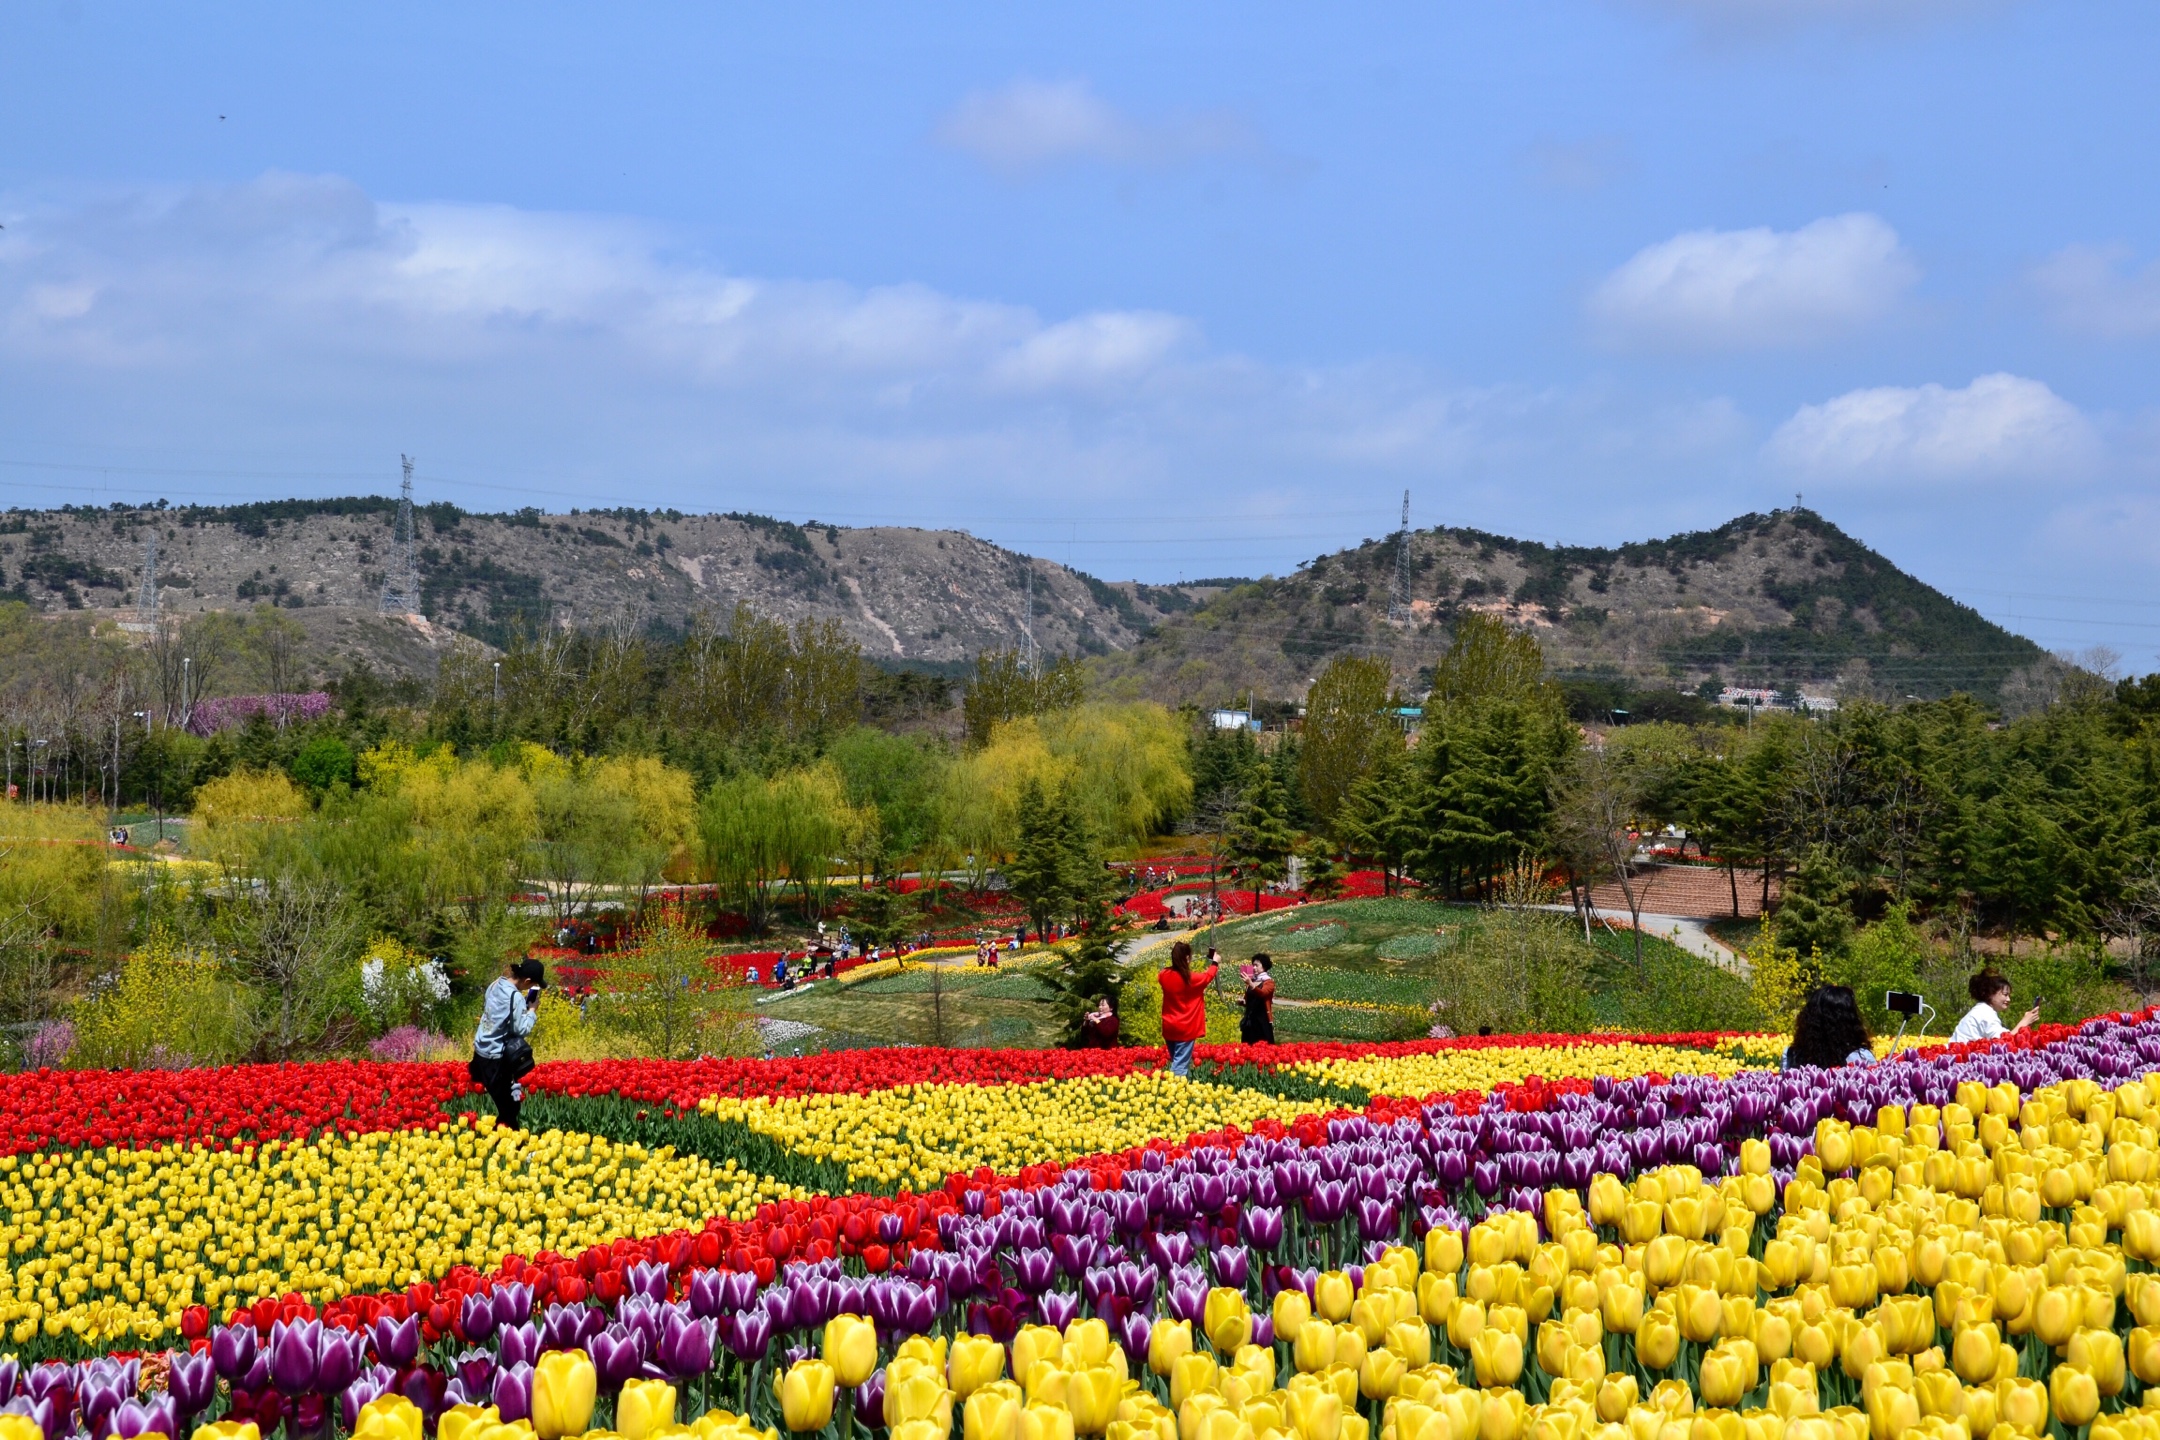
<point x="1262" y="1227"/>
<point x="191" y="1380"/>
<point x="477" y="1319"/>
<point x="10" y="1371"/>
<point x="513" y="1393"/>
<point x="617" y="1353"/>
<point x="1074" y="1252"/>
<point x="1134" y="1331"/>
<point x="562" y="1327"/>
<point x="1375" y="1219"/>
<point x="647" y="1278"/>
<point x="1327" y="1202"/>
<point x="1485" y="1177"/>
<point x="295" y="1355"/>
<point x="512" y="1304"/>
<point x="748" y="1334"/>
<point x="1231" y="1263"/>
<point x="43" y="1413"/>
<point x="869" y="1400"/>
<point x="367" y="1387"/>
<point x="737" y="1289"/>
<point x="426" y="1389"/>
<point x="397" y="1342"/>
<point x="232" y="1349"/>
<point x="1033" y="1270"/>
<point x="707" y="1294"/>
<point x="519" y="1345"/>
<point x="686" y="1346"/>
<point x="139" y="1417"/>
<point x="339" y="1361"/>
<point x="1059" y="1308"/>
<point x="51" y="1379"/>
<point x="476" y="1371"/>
<point x="98" y="1398"/>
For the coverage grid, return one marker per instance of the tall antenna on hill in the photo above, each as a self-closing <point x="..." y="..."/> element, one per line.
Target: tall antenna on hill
<point x="146" y="602"/>
<point x="401" y="586"/>
<point x="1398" y="609"/>
<point x="1027" y="626"/>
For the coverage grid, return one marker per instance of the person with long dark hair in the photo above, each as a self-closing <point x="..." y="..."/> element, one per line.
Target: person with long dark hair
<point x="1184" y="1006"/>
<point x="1828" y="1032"/>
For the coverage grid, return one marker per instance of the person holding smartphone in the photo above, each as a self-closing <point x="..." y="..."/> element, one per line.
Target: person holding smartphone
<point x="502" y="1053"/>
<point x="1257" y="1025"/>
<point x="1991" y="1001"/>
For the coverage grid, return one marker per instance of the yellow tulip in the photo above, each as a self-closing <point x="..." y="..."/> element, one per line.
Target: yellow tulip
<point x="2073" y="1395"/>
<point x="914" y="1430"/>
<point x="2055" y="1316"/>
<point x="1443" y="1250"/>
<point x="1291" y="1310"/>
<point x="1464" y="1323"/>
<point x="1939" y="1394"/>
<point x="1333" y="1296"/>
<point x="1699" y="1313"/>
<point x="1313" y="1348"/>
<point x="1553" y="1343"/>
<point x="1041" y="1342"/>
<point x="1315" y="1412"/>
<point x="457" y="1423"/>
<point x="644" y="1408"/>
<point x="915" y="1391"/>
<point x="564" y="1386"/>
<point x="1413" y="1421"/>
<point x="850" y="1348"/>
<point x="391" y="1417"/>
<point x="1349" y="1347"/>
<point x="1721" y="1382"/>
<point x="1380" y="1374"/>
<point x="2023" y="1405"/>
<point x="2099" y="1353"/>
<point x="222" y="1430"/>
<point x="1657" y="1342"/>
<point x="1045" y="1422"/>
<point x="1192" y="1374"/>
<point x="1892" y="1412"/>
<point x="1166" y="1342"/>
<point x="1621" y="1308"/>
<point x="1092" y="1395"/>
<point x="1044" y="1382"/>
<point x="806" y="1395"/>
<point x="1497" y="1356"/>
<point x="992" y="1412"/>
<point x="976" y="1360"/>
<point x="1506" y="1415"/>
<point x="2141" y="1235"/>
<point x="1087" y="1342"/>
<point x="1972" y="1353"/>
<point x="1664" y="1261"/>
<point x="1227" y="1319"/>
<point x="1616" y="1396"/>
<point x="1608" y="1201"/>
<point x="1411" y="1340"/>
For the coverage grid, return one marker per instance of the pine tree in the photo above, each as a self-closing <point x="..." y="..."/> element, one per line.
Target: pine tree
<point x="1811" y="916"/>
<point x="1041" y="869"/>
<point x="1260" y="837"/>
<point x="1088" y="972"/>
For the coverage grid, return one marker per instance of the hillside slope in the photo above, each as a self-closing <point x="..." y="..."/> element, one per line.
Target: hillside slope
<point x="925" y="597"/>
<point x="1781" y="599"/>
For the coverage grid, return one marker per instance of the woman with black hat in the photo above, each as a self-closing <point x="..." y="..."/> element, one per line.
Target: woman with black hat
<point x="502" y="1055"/>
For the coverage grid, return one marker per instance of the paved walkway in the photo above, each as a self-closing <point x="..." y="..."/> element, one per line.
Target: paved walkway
<point x="1686" y="931"/>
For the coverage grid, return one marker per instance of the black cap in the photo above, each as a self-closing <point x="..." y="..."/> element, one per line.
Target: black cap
<point x="531" y="970"/>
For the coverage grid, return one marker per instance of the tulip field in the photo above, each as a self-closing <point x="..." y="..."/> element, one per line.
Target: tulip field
<point x="1617" y="1237"/>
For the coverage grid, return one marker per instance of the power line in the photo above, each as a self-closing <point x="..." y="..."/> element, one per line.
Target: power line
<point x="401" y="584"/>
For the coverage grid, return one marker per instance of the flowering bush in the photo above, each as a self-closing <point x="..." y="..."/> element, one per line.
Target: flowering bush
<point x="401" y="987"/>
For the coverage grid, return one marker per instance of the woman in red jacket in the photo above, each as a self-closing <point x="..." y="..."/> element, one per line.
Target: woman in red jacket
<point x="1184" y="1007"/>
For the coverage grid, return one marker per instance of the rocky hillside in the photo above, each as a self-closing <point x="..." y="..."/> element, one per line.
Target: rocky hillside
<point x="919" y="597"/>
<point x="1783" y="599"/>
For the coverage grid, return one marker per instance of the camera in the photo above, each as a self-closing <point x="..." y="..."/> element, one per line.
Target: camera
<point x="1901" y="1002"/>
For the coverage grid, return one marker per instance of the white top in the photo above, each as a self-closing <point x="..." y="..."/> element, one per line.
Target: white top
<point x="1980" y="1023"/>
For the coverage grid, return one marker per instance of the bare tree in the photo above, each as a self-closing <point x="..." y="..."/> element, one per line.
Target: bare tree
<point x="293" y="937"/>
<point x="1592" y="828"/>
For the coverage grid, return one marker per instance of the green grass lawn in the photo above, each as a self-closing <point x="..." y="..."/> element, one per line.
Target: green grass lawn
<point x="1377" y="962"/>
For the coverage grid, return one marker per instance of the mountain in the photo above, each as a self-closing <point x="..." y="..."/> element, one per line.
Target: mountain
<point x="920" y="598"/>
<point x="1784" y="599"/>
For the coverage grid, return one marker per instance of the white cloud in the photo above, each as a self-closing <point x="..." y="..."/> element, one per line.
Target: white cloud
<point x="1754" y="289"/>
<point x="2088" y="288"/>
<point x="1031" y="125"/>
<point x="296" y="323"/>
<point x="2000" y="427"/>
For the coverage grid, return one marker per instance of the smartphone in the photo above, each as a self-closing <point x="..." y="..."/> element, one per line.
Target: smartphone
<point x="1901" y="1002"/>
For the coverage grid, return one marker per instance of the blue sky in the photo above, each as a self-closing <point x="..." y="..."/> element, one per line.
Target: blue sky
<point x="1158" y="291"/>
